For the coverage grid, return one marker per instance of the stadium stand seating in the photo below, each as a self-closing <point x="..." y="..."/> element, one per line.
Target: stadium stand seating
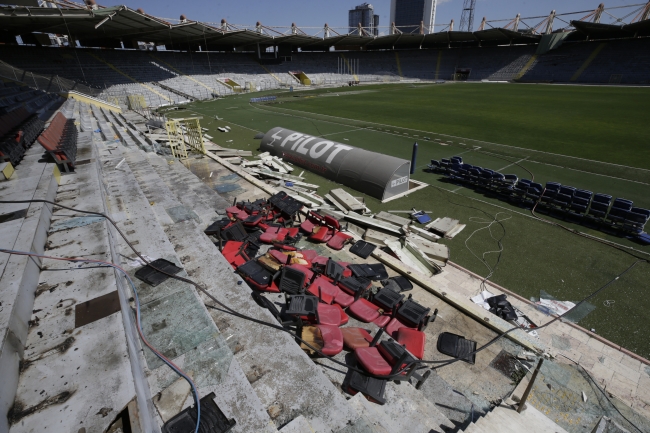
<point x="628" y="59"/>
<point x="23" y="112"/>
<point x="563" y="201"/>
<point x="172" y="77"/>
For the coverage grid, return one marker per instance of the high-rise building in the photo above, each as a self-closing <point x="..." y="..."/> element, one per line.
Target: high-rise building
<point x="409" y="14"/>
<point x="364" y="15"/>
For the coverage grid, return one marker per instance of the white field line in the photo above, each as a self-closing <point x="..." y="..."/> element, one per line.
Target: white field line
<point x="479" y="141"/>
<point x="513" y="147"/>
<point x="514" y="163"/>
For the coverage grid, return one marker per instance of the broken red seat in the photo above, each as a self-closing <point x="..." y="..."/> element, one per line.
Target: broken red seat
<point x="321" y="234"/>
<point x="309" y="255"/>
<point x="327" y="339"/>
<point x="338" y="241"/>
<point x="309" y="274"/>
<point x="372" y="361"/>
<point x="366" y="311"/>
<point x="274" y="235"/>
<point x="414" y="341"/>
<point x="279" y="256"/>
<point x="324" y="289"/>
<point x="256" y="275"/>
<point x="333" y="339"/>
<point x="392" y="351"/>
<point x="313" y="219"/>
<point x="235" y="212"/>
<point x="252" y="221"/>
<point x="234" y="254"/>
<point x="319" y="260"/>
<point x="354" y="338"/>
<point x="328" y="315"/>
<point x="343" y="299"/>
<point x="394" y="326"/>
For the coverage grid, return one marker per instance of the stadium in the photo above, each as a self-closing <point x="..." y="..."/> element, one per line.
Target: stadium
<point x="421" y="227"/>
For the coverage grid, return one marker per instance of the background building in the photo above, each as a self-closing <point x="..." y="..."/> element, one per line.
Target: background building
<point x="407" y="14"/>
<point x="363" y="14"/>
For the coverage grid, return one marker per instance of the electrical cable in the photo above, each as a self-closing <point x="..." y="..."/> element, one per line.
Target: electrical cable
<point x="138" y="316"/>
<point x="228" y="310"/>
<point x="602" y="391"/>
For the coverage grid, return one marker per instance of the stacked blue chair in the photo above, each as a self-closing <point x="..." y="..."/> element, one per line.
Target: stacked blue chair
<point x="562" y="200"/>
<point x="599" y="206"/>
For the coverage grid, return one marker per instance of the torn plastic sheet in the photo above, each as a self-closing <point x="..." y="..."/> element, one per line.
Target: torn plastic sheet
<point x="550" y="305"/>
<point x="175" y="325"/>
<point x="208" y="364"/>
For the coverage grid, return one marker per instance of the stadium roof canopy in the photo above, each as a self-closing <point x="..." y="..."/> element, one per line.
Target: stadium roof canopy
<point x="106" y="26"/>
<point x="598" y="30"/>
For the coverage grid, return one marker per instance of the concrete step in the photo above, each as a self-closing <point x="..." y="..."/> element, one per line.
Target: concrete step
<point x="177" y="184"/>
<point x="19" y="274"/>
<point x="174" y="317"/>
<point x="164" y="202"/>
<point x="286" y="380"/>
<point x="455" y="406"/>
<point x="505" y="419"/>
<point x="368" y="422"/>
<point x="189" y="179"/>
<point x="63" y="358"/>
<point x="298" y="425"/>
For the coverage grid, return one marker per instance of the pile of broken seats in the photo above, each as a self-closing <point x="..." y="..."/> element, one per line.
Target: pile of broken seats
<point x="321" y="294"/>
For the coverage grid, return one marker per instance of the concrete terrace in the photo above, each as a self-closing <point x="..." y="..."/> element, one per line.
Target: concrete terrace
<point x="72" y="360"/>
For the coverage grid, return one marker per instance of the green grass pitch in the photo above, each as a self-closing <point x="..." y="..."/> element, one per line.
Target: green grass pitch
<point x="592" y="138"/>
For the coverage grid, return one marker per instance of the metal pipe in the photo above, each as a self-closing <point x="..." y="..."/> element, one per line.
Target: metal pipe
<point x="414" y="157"/>
<point x="524" y="397"/>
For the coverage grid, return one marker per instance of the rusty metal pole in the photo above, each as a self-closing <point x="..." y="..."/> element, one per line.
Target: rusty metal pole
<point x="524" y="397"/>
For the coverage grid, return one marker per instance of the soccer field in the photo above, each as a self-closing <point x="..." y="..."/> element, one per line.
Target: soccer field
<point x="589" y="137"/>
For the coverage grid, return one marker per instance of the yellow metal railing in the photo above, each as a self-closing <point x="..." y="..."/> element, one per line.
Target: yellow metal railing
<point x="175" y="137"/>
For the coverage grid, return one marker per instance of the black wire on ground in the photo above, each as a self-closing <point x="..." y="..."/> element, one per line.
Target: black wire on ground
<point x="603" y="392"/>
<point x="226" y="309"/>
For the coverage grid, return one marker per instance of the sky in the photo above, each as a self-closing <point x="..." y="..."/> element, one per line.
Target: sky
<point x="306" y="13"/>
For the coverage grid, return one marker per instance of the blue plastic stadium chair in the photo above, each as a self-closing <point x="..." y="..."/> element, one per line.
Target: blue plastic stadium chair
<point x="551" y="191"/>
<point x="583" y="193"/>
<point x="579" y="206"/>
<point x="567" y="190"/>
<point x="521" y="188"/>
<point x="599" y="206"/>
<point x="619" y="210"/>
<point x="534" y="192"/>
<point x="434" y="166"/>
<point x="512" y="179"/>
<point x="562" y="201"/>
<point x="636" y="220"/>
<point x="457" y="159"/>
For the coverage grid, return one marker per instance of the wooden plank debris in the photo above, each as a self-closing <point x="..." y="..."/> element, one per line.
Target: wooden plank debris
<point x="443" y="225"/>
<point x="424" y="233"/>
<point x="373" y="223"/>
<point x="412" y="256"/>
<point x="438" y="253"/>
<point x="336" y="204"/>
<point x="347" y="200"/>
<point x="394" y="219"/>
<point x="379" y="238"/>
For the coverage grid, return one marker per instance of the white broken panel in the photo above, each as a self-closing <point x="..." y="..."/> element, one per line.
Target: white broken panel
<point x="394" y="219"/>
<point x="443" y="225"/>
<point x="347" y="200"/>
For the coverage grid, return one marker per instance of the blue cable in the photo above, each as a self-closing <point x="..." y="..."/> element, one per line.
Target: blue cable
<point x="139" y="324"/>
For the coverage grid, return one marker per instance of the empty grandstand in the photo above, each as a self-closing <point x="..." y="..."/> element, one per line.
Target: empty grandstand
<point x="156" y="278"/>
